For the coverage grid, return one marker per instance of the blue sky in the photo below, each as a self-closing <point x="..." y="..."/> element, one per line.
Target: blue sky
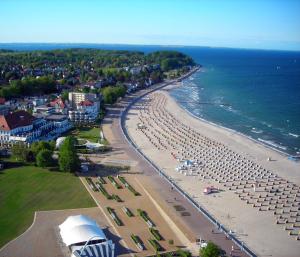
<point x="265" y="24"/>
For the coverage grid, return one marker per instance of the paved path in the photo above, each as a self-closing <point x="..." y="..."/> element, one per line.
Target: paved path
<point x="42" y="239"/>
<point x="196" y="224"/>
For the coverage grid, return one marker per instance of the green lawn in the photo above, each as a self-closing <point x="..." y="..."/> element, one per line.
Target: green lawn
<point x="26" y="189"/>
<point x="91" y="134"/>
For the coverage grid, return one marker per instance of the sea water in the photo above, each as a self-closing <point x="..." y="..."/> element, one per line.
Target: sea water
<point x="253" y="92"/>
<point x="256" y="93"/>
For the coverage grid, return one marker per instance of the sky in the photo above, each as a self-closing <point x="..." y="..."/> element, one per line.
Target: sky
<point x="262" y="24"/>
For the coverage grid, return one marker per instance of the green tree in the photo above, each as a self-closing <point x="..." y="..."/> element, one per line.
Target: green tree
<point x="36" y="147"/>
<point x="68" y="158"/>
<point x="211" y="250"/>
<point x="20" y="152"/>
<point x="44" y="158"/>
<point x="64" y="95"/>
<point x="111" y="94"/>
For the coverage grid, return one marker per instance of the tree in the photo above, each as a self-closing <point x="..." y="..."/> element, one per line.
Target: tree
<point x="36" y="147"/>
<point x="20" y="152"/>
<point x="44" y="158"/>
<point x="211" y="250"/>
<point x="68" y="158"/>
<point x="64" y="95"/>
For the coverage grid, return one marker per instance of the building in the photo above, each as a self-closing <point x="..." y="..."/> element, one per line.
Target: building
<point x="44" y="109"/>
<point x="21" y="126"/>
<point x="75" y="98"/>
<point x="85" y="107"/>
<point x="84" y="237"/>
<point x="59" y="105"/>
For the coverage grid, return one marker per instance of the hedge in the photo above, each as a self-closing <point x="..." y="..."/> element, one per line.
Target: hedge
<point x="117" y="198"/>
<point x="114" y="182"/>
<point x="157" y="247"/>
<point x="156" y="234"/>
<point x="103" y="191"/>
<point x="128" y="186"/>
<point x="114" y="216"/>
<point x="91" y="184"/>
<point x="101" y="180"/>
<point x="137" y="241"/>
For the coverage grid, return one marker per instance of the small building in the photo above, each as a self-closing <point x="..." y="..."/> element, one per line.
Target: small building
<point x="59" y="105"/>
<point x="44" y="109"/>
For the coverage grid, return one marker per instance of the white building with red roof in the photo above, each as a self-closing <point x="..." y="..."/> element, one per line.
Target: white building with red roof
<point x="21" y="126"/>
<point x="86" y="107"/>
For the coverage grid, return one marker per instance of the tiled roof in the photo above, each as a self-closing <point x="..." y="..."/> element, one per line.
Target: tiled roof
<point x="16" y="119"/>
<point x="59" y="102"/>
<point x="86" y="103"/>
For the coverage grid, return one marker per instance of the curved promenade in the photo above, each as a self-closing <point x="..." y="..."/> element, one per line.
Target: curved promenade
<point x="220" y="227"/>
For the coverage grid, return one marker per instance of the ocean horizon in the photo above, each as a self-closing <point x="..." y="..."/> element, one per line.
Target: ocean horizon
<point x="253" y="92"/>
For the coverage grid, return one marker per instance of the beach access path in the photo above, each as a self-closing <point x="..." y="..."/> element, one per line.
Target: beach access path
<point x="195" y="225"/>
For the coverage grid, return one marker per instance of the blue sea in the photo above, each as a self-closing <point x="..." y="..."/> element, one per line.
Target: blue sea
<point x="254" y="92"/>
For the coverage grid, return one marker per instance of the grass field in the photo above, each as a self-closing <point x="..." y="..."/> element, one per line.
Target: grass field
<point x="24" y="190"/>
<point x="91" y="134"/>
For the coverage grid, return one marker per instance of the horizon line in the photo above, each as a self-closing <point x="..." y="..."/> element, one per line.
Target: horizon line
<point x="160" y="45"/>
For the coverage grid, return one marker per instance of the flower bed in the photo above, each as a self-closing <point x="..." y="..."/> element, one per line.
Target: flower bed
<point x="114" y="216"/>
<point x="117" y="198"/>
<point x="91" y="184"/>
<point x="103" y="191"/>
<point x="137" y="241"/>
<point x="101" y="180"/>
<point x="145" y="217"/>
<point x="157" y="247"/>
<point x="156" y="234"/>
<point x="115" y="184"/>
<point x="127" y="212"/>
<point x="128" y="186"/>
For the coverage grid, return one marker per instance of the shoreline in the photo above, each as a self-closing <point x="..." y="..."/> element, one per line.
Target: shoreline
<point x="247" y="147"/>
<point x="260" y="142"/>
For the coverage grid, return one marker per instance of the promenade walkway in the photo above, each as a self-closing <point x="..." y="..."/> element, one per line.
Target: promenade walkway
<point x="198" y="223"/>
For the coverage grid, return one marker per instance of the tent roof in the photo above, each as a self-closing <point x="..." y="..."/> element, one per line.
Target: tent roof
<point x="80" y="228"/>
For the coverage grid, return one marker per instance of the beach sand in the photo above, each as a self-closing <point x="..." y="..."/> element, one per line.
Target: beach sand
<point x="258" y="229"/>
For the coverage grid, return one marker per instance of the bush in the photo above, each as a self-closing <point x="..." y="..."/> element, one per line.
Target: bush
<point x="157" y="247"/>
<point x="211" y="250"/>
<point x="115" y="184"/>
<point x="114" y="216"/>
<point x="128" y="212"/>
<point x="156" y="234"/>
<point x="171" y="241"/>
<point x="117" y="198"/>
<point x="103" y="191"/>
<point x="128" y="186"/>
<point x="44" y="158"/>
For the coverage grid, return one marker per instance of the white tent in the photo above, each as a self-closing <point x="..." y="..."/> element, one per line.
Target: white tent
<point x="59" y="142"/>
<point x="80" y="229"/>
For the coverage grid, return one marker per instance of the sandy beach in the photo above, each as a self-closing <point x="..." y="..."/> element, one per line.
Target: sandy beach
<point x="256" y="190"/>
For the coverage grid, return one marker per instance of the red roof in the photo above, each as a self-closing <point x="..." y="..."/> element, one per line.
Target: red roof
<point x="16" y="119"/>
<point x="2" y="100"/>
<point x="59" y="102"/>
<point x="86" y="103"/>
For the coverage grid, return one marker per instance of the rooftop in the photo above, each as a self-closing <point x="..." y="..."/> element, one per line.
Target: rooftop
<point x="16" y="119"/>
